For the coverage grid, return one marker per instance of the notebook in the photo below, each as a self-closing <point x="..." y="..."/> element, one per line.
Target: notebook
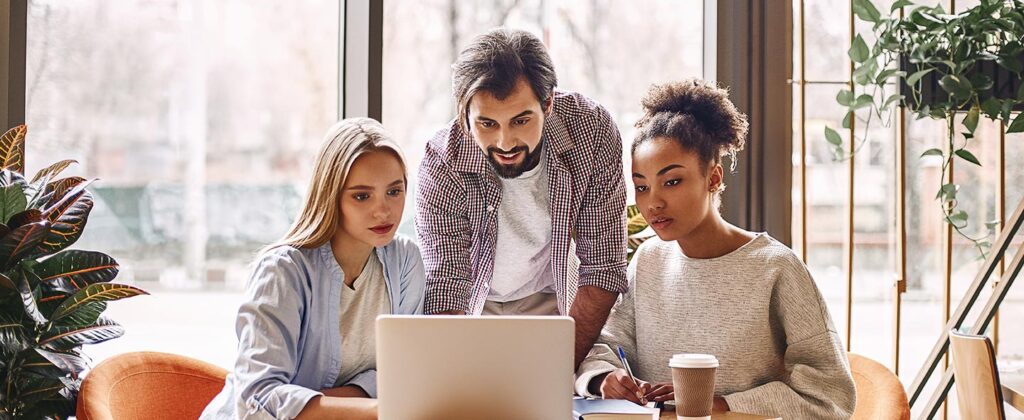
<point x="611" y="410"/>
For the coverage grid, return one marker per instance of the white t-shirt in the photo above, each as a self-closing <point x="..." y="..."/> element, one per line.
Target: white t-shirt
<point x="522" y="255"/>
<point x="360" y="305"/>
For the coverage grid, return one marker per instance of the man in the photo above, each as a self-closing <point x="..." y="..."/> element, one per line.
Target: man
<point x="521" y="199"/>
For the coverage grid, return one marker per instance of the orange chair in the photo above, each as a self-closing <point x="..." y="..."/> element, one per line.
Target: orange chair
<point x="880" y="395"/>
<point x="149" y="385"/>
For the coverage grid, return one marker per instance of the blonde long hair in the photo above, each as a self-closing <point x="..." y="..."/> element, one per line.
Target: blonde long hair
<point x="321" y="214"/>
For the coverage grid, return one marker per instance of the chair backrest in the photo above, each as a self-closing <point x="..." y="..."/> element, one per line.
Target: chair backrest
<point x="974" y="373"/>
<point x="880" y="395"/>
<point x="149" y="385"/>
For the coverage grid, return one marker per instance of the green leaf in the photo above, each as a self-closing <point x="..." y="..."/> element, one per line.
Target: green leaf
<point x="12" y="201"/>
<point x="59" y="337"/>
<point x="981" y="82"/>
<point x="900" y="3"/>
<point x="948" y="192"/>
<point x="1011" y="63"/>
<point x="71" y="270"/>
<point x="1017" y="125"/>
<point x="844" y="97"/>
<point x="833" y="137"/>
<point x="916" y="77"/>
<point x="65" y="361"/>
<point x="24" y="218"/>
<point x="26" y="288"/>
<point x="971" y="120"/>
<point x="968" y="156"/>
<point x="932" y="152"/>
<point x="865" y="74"/>
<point x="866" y="11"/>
<point x="86" y="315"/>
<point x="950" y="83"/>
<point x="12" y="149"/>
<point x="990" y="106"/>
<point x="890" y="100"/>
<point x="859" y="51"/>
<point x="847" y="119"/>
<point x="922" y="17"/>
<point x="20" y="241"/>
<point x="862" y="101"/>
<point x="99" y="292"/>
<point x="38" y="388"/>
<point x="55" y="190"/>
<point x="889" y="73"/>
<point x="958" y="219"/>
<point x="53" y="170"/>
<point x="68" y="218"/>
<point x="1020" y="92"/>
<point x="12" y="333"/>
<point x="1006" y="110"/>
<point x="635" y="221"/>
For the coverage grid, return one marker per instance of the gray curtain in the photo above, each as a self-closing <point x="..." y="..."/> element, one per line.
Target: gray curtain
<point x="755" y="61"/>
<point x="13" y="15"/>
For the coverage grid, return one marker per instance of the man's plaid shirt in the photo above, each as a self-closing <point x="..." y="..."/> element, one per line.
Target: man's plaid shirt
<point x="459" y="193"/>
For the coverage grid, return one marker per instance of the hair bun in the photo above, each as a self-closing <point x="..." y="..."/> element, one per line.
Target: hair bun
<point x="707" y="104"/>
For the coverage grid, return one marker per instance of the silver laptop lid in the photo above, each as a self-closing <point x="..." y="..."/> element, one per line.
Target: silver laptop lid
<point x="474" y="367"/>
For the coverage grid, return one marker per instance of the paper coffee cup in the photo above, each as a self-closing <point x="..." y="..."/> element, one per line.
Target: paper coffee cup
<point x="693" y="382"/>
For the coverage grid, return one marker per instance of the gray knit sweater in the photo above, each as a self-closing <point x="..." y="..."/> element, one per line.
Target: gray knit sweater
<point x="756" y="309"/>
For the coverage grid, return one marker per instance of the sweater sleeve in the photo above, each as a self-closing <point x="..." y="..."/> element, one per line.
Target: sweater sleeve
<point x="620" y="330"/>
<point x="818" y="383"/>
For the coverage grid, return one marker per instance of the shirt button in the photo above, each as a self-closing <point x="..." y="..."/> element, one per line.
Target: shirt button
<point x="490" y="208"/>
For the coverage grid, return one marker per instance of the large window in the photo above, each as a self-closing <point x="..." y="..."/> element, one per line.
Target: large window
<point x="595" y="46"/>
<point x="876" y="265"/>
<point x="201" y="119"/>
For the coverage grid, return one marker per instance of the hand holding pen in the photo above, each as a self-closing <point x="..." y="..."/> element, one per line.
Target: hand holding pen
<point x="622" y="385"/>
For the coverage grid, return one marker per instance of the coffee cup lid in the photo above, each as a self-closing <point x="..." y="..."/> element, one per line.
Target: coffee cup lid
<point x="693" y="360"/>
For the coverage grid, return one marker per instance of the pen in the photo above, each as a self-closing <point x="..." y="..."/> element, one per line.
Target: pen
<point x="625" y="364"/>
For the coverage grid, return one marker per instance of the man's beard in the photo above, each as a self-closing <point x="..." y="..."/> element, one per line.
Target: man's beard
<point x="514" y="171"/>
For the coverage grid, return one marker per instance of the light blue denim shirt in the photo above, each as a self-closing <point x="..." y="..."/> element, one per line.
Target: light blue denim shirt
<point x="289" y="337"/>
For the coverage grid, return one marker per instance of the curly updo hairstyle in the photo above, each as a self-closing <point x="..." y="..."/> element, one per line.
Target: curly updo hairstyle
<point x="696" y="114"/>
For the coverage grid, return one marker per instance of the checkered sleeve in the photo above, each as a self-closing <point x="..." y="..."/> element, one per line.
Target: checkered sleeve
<point x="443" y="227"/>
<point x="601" y="223"/>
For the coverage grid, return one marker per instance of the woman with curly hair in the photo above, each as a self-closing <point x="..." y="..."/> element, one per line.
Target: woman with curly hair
<point x="706" y="286"/>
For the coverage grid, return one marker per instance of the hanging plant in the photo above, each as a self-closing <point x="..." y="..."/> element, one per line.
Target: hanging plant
<point x="961" y="53"/>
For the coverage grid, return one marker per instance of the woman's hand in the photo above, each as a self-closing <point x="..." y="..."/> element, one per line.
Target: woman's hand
<point x="617" y="385"/>
<point x="660" y="393"/>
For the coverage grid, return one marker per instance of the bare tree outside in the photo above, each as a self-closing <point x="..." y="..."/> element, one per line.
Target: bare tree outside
<point x="204" y="117"/>
<point x="611" y="51"/>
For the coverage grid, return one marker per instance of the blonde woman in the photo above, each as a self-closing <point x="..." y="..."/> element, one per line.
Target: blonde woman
<point x="306" y="341"/>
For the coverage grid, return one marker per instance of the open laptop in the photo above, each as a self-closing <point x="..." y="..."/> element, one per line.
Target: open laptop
<point x="474" y="367"/>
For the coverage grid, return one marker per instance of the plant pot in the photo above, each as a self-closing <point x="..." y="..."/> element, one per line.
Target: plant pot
<point x="1005" y="83"/>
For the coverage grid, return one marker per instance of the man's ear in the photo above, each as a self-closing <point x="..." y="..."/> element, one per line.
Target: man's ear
<point x="549" y="104"/>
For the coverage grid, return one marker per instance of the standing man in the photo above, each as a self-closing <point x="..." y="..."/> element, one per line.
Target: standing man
<point x="521" y="199"/>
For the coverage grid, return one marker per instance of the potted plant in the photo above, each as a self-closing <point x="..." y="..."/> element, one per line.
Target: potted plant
<point x="964" y="54"/>
<point x="51" y="297"/>
<point x="636" y="230"/>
